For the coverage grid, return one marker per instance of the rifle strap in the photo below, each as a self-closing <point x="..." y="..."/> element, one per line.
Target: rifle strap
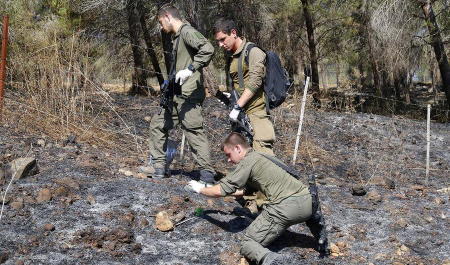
<point x="289" y="170"/>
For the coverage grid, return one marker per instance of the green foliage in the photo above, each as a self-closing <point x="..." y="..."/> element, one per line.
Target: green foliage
<point x="199" y="211"/>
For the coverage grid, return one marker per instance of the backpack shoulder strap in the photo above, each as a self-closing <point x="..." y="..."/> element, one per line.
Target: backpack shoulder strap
<point x="247" y="51"/>
<point x="289" y="170"/>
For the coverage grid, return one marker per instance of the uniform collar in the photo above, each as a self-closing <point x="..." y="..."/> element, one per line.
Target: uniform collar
<point x="179" y="30"/>
<point x="241" y="47"/>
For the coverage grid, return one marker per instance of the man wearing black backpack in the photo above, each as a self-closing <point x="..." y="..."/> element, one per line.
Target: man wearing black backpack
<point x="250" y="88"/>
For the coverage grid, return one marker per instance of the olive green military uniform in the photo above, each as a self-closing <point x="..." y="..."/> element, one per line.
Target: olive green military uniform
<point x="193" y="49"/>
<point x="289" y="201"/>
<point x="253" y="74"/>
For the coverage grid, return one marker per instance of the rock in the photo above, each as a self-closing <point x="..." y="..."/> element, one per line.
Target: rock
<point x="358" y="190"/>
<point x="41" y="142"/>
<point x="61" y="191"/>
<point x="439" y="200"/>
<point x="389" y="183"/>
<point x="334" y="248"/>
<point x="148" y="118"/>
<point x="4" y="256"/>
<point x="91" y="199"/>
<point x="23" y="167"/>
<point x="128" y="173"/>
<point x="315" y="160"/>
<point x="243" y="261"/>
<point x="49" y="227"/>
<point x="397" y="263"/>
<point x="402" y="222"/>
<point x="163" y="222"/>
<point x="147" y="170"/>
<point x="17" y="205"/>
<point x="404" y="248"/>
<point x="141" y="175"/>
<point x="44" y="195"/>
<point x="418" y="187"/>
<point x="69" y="183"/>
<point x="428" y="218"/>
<point x="374" y="196"/>
<point x="144" y="222"/>
<point x="180" y="216"/>
<point x="2" y="177"/>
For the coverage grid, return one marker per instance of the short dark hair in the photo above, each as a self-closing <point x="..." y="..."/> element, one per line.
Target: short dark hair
<point x="169" y="9"/>
<point x="225" y="25"/>
<point x="233" y="139"/>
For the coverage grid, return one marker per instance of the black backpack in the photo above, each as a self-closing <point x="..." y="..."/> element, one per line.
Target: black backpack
<point x="276" y="81"/>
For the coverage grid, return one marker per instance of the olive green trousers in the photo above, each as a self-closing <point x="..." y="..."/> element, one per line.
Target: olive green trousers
<point x="272" y="222"/>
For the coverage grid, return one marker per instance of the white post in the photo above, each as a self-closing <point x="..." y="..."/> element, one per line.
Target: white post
<point x="427" y="171"/>
<point x="299" y="131"/>
<point x="183" y="138"/>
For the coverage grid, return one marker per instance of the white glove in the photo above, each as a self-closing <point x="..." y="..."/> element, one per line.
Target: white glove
<point x="182" y="76"/>
<point x="234" y="114"/>
<point x="196" y="186"/>
<point x="226" y="94"/>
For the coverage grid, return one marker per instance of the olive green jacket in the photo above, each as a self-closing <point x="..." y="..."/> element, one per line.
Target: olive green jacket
<point x="257" y="173"/>
<point x="253" y="75"/>
<point x="194" y="49"/>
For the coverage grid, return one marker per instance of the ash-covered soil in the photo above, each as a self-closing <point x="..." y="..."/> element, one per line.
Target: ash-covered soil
<point x="101" y="211"/>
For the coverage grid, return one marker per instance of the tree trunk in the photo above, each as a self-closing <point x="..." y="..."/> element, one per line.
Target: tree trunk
<point x="139" y="78"/>
<point x="438" y="46"/>
<point x="338" y="73"/>
<point x="300" y="73"/>
<point x="312" y="50"/>
<point x="433" y="76"/>
<point x="323" y="73"/>
<point x="150" y="50"/>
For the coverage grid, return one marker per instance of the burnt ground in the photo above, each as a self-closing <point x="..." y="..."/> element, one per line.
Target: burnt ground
<point x="102" y="216"/>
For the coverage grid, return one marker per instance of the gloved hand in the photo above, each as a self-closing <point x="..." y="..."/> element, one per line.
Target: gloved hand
<point x="196" y="186"/>
<point x="182" y="76"/>
<point x="235" y="113"/>
<point x="226" y="94"/>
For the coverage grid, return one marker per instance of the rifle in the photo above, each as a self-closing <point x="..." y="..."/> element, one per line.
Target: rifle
<point x="242" y="123"/>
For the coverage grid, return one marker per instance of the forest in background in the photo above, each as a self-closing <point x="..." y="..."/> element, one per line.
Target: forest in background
<point x="63" y="55"/>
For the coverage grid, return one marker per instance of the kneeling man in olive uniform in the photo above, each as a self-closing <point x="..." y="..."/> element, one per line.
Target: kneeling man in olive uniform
<point x="289" y="200"/>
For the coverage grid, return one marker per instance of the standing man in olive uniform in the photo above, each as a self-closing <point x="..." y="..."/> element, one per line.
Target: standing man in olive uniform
<point x="290" y="201"/>
<point x="194" y="53"/>
<point x="252" y="98"/>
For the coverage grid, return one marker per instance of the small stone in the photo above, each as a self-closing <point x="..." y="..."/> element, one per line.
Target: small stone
<point x="2" y="177"/>
<point x="147" y="118"/>
<point x="397" y="263"/>
<point x="144" y="222"/>
<point x="68" y="182"/>
<point x="128" y="173"/>
<point x="334" y="248"/>
<point x="389" y="183"/>
<point x="61" y="191"/>
<point x="41" y="142"/>
<point x="163" y="222"/>
<point x="19" y="262"/>
<point x="91" y="199"/>
<point x="49" y="227"/>
<point x="243" y="261"/>
<point x="358" y="190"/>
<point x="402" y="223"/>
<point x="429" y="219"/>
<point x="180" y="216"/>
<point x="141" y="175"/>
<point x="341" y="245"/>
<point x="4" y="256"/>
<point x="439" y="200"/>
<point x="404" y="248"/>
<point x="374" y="196"/>
<point x="44" y="195"/>
<point x="17" y="205"/>
<point x="315" y="160"/>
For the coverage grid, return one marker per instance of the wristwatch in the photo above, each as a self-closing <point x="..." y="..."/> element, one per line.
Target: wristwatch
<point x="191" y="68"/>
